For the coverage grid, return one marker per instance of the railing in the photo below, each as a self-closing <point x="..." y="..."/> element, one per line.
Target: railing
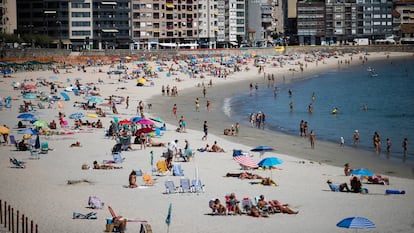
<point x="14" y="222"/>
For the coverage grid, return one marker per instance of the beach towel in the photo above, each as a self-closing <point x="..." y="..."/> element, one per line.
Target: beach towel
<point x="390" y="191"/>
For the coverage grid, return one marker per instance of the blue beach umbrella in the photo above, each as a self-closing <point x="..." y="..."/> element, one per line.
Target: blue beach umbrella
<point x="356" y="223"/>
<point x="28" y="131"/>
<point x="270" y="162"/>
<point x="77" y="115"/>
<point x="29" y="96"/>
<point x="262" y="149"/>
<point x="136" y="119"/>
<point x="362" y="172"/>
<point x="26" y="116"/>
<point x="95" y="99"/>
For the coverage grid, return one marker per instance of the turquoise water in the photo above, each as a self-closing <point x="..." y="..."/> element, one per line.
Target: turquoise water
<point x="389" y="98"/>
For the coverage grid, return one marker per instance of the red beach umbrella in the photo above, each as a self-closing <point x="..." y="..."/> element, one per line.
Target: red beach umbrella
<point x="124" y="122"/>
<point x="246" y="162"/>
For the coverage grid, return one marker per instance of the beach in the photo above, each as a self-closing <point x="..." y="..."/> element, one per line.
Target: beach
<point x="41" y="190"/>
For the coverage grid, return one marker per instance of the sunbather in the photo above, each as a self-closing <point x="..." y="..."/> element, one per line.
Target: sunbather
<point x="356" y="185"/>
<point x="76" y="144"/>
<point x="152" y="143"/>
<point x="233" y="204"/>
<point x="133" y="180"/>
<point x="338" y="187"/>
<point x="96" y="165"/>
<point x="378" y="179"/>
<point x="268" y="181"/>
<point x="216" y="148"/>
<point x="217" y="207"/>
<point x="283" y="208"/>
<point x="244" y="175"/>
<point x="254" y="212"/>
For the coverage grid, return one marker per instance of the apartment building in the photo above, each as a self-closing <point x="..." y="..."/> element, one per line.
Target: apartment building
<point x="165" y="24"/>
<point x="8" y="19"/>
<point x="340" y="23"/>
<point x="374" y="18"/>
<point x="311" y="26"/>
<point x="403" y="16"/>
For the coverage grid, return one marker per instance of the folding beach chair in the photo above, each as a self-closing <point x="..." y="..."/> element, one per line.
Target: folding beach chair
<point x="90" y="215"/>
<point x="185" y="186"/>
<point x="120" y="218"/>
<point x="162" y="168"/>
<point x="13" y="140"/>
<point x="17" y="163"/>
<point x="177" y="170"/>
<point x="170" y="187"/>
<point x="147" y="179"/>
<point x="197" y="186"/>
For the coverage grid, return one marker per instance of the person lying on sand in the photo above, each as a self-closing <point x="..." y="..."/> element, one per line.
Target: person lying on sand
<point x="244" y="175"/>
<point x="268" y="181"/>
<point x="76" y="144"/>
<point x="152" y="143"/>
<point x="104" y="166"/>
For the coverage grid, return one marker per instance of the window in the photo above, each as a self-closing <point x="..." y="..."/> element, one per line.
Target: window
<point x="81" y="14"/>
<point x="81" y="23"/>
<point x="81" y="33"/>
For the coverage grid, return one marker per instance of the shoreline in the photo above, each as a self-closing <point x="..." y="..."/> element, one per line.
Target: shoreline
<point x="298" y="147"/>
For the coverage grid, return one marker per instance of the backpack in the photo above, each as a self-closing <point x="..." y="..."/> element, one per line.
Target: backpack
<point x="95" y="202"/>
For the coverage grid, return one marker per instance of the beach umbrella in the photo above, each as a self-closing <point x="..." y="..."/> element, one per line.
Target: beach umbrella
<point x="145" y="122"/>
<point x="29" y="86"/>
<point x="270" y="162"/>
<point x="246" y="161"/>
<point x="356" y="223"/>
<point x="144" y="130"/>
<point x="141" y="80"/>
<point x="158" y="119"/>
<point x="262" y="149"/>
<point x="29" y="96"/>
<point x="40" y="123"/>
<point x="4" y="130"/>
<point x="136" y="119"/>
<point x="95" y="99"/>
<point x="26" y="116"/>
<point x="92" y="115"/>
<point x="125" y="122"/>
<point x="28" y="131"/>
<point x="77" y="115"/>
<point x="362" y="172"/>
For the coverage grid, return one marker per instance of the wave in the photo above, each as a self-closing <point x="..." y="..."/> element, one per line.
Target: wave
<point x="227" y="107"/>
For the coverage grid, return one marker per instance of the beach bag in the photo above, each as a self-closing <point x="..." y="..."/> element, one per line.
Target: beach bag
<point x="95" y="202"/>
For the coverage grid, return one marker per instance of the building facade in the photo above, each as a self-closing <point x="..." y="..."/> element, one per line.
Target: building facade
<point x="403" y="21"/>
<point x="8" y="19"/>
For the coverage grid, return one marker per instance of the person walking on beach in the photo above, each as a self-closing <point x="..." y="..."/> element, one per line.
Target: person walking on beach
<point x="377" y="142"/>
<point x="174" y="111"/>
<point x="389" y="143"/>
<point x="197" y="105"/>
<point x="312" y="139"/>
<point x="301" y="127"/>
<point x="208" y="105"/>
<point x="405" y="146"/>
<point x="356" y="137"/>
<point x="205" y="129"/>
<point x="204" y="92"/>
<point x="127" y="102"/>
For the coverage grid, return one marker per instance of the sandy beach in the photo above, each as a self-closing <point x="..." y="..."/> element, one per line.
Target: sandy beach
<point x="41" y="190"/>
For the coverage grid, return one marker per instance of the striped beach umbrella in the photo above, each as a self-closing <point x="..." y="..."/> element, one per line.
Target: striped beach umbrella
<point x="246" y="162"/>
<point x="356" y="223"/>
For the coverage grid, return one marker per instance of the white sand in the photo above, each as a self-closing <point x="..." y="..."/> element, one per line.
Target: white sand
<point x="40" y="191"/>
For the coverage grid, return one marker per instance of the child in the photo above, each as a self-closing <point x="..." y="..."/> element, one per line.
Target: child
<point x="342" y="141"/>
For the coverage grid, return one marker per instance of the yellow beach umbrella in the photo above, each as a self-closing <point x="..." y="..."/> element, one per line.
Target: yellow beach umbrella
<point x="4" y="130"/>
<point x="92" y="115"/>
<point x="27" y="136"/>
<point x="141" y="80"/>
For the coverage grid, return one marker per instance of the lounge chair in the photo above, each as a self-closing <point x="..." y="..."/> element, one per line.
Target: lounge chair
<point x="246" y="204"/>
<point x="197" y="186"/>
<point x="145" y="228"/>
<point x="17" y="163"/>
<point x="185" y="186"/>
<point x="119" y="217"/>
<point x="13" y="141"/>
<point x="90" y="215"/>
<point x="34" y="153"/>
<point x="177" y="170"/>
<point x="170" y="187"/>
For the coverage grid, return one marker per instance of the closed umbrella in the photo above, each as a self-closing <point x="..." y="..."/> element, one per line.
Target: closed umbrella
<point x="37" y="142"/>
<point x="356" y="223"/>
<point x="246" y="162"/>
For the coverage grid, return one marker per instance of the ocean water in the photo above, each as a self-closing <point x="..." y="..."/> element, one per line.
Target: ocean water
<point x="389" y="98"/>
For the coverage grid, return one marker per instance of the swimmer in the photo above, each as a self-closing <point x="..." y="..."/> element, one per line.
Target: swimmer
<point x="335" y="111"/>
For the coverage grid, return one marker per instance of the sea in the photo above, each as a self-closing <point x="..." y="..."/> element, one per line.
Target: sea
<point x="385" y="87"/>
